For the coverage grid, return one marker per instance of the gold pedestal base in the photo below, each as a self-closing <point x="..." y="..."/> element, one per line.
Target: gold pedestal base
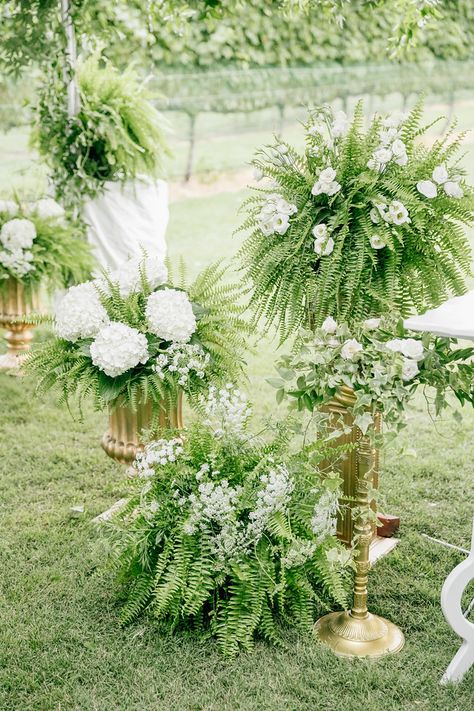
<point x="348" y="636"/>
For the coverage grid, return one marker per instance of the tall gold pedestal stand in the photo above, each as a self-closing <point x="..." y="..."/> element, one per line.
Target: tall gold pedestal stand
<point x="14" y="308"/>
<point x="359" y="633"/>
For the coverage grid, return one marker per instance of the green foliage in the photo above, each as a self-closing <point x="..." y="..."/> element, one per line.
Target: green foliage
<point x="116" y="135"/>
<point x="220" y="336"/>
<point x="229" y="535"/>
<point x="420" y="256"/>
<point x="60" y="254"/>
<point x="384" y="372"/>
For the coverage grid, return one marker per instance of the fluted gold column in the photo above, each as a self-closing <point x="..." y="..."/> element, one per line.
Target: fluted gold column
<point x="123" y="440"/>
<point x="359" y="633"/>
<point x="14" y="307"/>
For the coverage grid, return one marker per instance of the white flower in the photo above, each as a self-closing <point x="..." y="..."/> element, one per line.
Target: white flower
<point x="409" y="369"/>
<point x="128" y="276"/>
<point x="409" y="347"/>
<point x="340" y="125"/>
<point x="227" y="411"/>
<point x="427" y="188"/>
<point x="327" y="175"/>
<point x="79" y="314"/>
<point x="283" y="207"/>
<point x="351" y="349"/>
<point x="170" y="315"/>
<point x="118" y="348"/>
<point x="323" y="522"/>
<point x="9" y="207"/>
<point x="18" y="234"/>
<point x="372" y="323"/>
<point x="329" y="325"/>
<point x="325" y="183"/>
<point x="280" y="224"/>
<point x="320" y="231"/>
<point x="382" y="155"/>
<point x="453" y="189"/>
<point x="332" y="188"/>
<point x="440" y="174"/>
<point x="48" y="208"/>
<point x="158" y="453"/>
<point x="376" y="242"/>
<point x="398" y="213"/>
<point x="323" y="246"/>
<point x="375" y="215"/>
<point x="18" y="261"/>
<point x="388" y="136"/>
<point x="398" y="148"/>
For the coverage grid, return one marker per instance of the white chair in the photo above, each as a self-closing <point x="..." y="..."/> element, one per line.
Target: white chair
<point x="455" y="318"/>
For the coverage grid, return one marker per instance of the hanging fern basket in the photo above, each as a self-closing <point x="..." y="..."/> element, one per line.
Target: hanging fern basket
<point x="124" y="436"/>
<point x="16" y="303"/>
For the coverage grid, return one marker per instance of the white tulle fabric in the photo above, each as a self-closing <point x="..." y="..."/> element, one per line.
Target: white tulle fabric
<point x="454" y="318"/>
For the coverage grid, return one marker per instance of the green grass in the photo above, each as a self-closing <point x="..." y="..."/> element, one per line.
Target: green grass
<point x="61" y="646"/>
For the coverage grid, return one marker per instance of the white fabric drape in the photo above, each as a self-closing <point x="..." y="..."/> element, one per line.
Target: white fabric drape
<point x="454" y="318"/>
<point x="127" y="219"/>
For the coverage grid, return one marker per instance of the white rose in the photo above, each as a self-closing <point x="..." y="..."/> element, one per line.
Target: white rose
<point x="317" y="188"/>
<point x="398" y="213"/>
<point x="351" y="349"/>
<point x="427" y="188"/>
<point x="323" y="246"/>
<point x="118" y="348"/>
<point x="329" y="325"/>
<point x="409" y="369"/>
<point x="18" y="234"/>
<point x="394" y="345"/>
<point x="453" y="189"/>
<point x="440" y="174"/>
<point x="376" y="242"/>
<point x="372" y="323"/>
<point x="9" y="207"/>
<point x="327" y="175"/>
<point x="411" y="348"/>
<point x="320" y="230"/>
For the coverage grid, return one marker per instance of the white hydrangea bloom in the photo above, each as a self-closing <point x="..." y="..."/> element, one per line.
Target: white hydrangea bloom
<point x="118" y="348"/>
<point x="18" y="261"/>
<point x="79" y="313"/>
<point x="170" y="315"/>
<point x="128" y="276"/>
<point x="9" y="207"/>
<point x="18" y="234"/>
<point x="47" y="208"/>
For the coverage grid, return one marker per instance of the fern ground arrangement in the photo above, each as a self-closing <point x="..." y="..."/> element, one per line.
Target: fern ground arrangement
<point x="132" y="337"/>
<point x="39" y="245"/>
<point x="227" y="534"/>
<point x="366" y="220"/>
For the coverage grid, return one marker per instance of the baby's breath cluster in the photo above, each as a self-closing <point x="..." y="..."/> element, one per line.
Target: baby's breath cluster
<point x="226" y="410"/>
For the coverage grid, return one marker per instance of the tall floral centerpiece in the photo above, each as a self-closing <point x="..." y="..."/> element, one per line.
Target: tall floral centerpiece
<point x="372" y="373"/>
<point x="228" y="534"/>
<point x="134" y="343"/>
<point x="364" y="221"/>
<point x="39" y="248"/>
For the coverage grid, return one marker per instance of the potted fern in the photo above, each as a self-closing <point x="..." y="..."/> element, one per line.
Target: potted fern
<point x="107" y="158"/>
<point x="227" y="533"/>
<point x="39" y="248"/>
<point x="133" y="342"/>
<point x="364" y="221"/>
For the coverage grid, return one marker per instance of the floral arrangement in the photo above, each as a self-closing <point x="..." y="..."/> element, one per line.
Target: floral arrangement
<point x="227" y="533"/>
<point x="364" y="221"/>
<point x="384" y="372"/>
<point x="38" y="244"/>
<point x="133" y="336"/>
<point x="116" y="136"/>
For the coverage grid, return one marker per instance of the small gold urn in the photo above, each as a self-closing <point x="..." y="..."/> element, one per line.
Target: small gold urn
<point x="123" y="438"/>
<point x="15" y="306"/>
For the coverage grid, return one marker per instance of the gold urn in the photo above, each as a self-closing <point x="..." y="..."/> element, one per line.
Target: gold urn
<point x="15" y="306"/>
<point x="123" y="438"/>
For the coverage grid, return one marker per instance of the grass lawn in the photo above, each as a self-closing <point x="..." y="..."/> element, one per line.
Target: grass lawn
<point x="60" y="643"/>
